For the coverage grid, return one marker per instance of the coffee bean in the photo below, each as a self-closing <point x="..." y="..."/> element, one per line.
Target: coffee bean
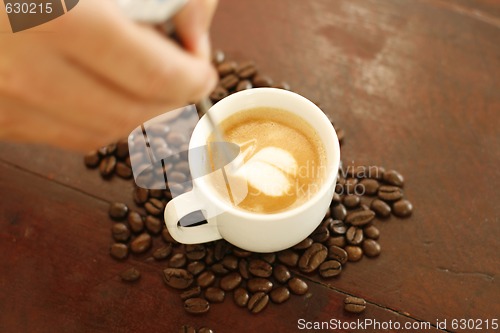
<point x="260" y="268"/>
<point x="313" y="257"/>
<point x="281" y="273"/>
<point x="240" y="253"/>
<point x="241" y="297"/>
<point x="141" y="195"/>
<point x="218" y="57"/>
<point x="371" y="231"/>
<point x="123" y="170"/>
<point x="190" y="293"/>
<point x="135" y="222"/>
<point x="154" y="207"/>
<point x="119" y="251"/>
<point x="351" y="201"/>
<point x="205" y="330"/>
<point x="246" y="69"/>
<point x="354" y="235"/>
<point x="259" y="284"/>
<point x="392" y="177"/>
<point x="339" y="188"/>
<point x="92" y="159"/>
<point x="243" y="268"/>
<point x="230" y="262"/>
<point x="120" y="232"/>
<point x="354" y="253"/>
<point x="158" y="145"/>
<point x="320" y="234"/>
<point x="297" y="286"/>
<point x="177" y="177"/>
<point x="288" y="257"/>
<point x="141" y="243"/>
<point x="370" y="186"/>
<point x="330" y="269"/>
<point x="354" y="304"/>
<point x="168" y="195"/>
<point x="108" y="150"/>
<point x="130" y="275"/>
<point x="381" y="208"/>
<point x="337" y="253"/>
<point x="221" y="249"/>
<point x="350" y="185"/>
<point x="196" y="305"/>
<point x="175" y="189"/>
<point x="153" y="225"/>
<point x="187" y="329"/>
<point x="107" y="166"/>
<point x="162" y="252"/>
<point x="122" y="150"/>
<point x="328" y="213"/>
<point x="227" y="67"/>
<point x="389" y="193"/>
<point x="268" y="257"/>
<point x="339" y="212"/>
<point x="371" y="248"/>
<point x="118" y="211"/>
<point x="336" y="240"/>
<point x="363" y="207"/>
<point x="215" y="295"/>
<point x="360" y="218"/>
<point x="178" y="260"/>
<point x="175" y="139"/>
<point x="205" y="279"/>
<point x="229" y="81"/>
<point x="230" y="281"/>
<point x="218" y="93"/>
<point x="219" y="269"/>
<point x="280" y="294"/>
<point x="195" y="251"/>
<point x="177" y="278"/>
<point x="156" y="193"/>
<point x="258" y="302"/>
<point x="165" y="235"/>
<point x="209" y="256"/>
<point x="260" y="81"/>
<point x="303" y="244"/>
<point x="244" y="85"/>
<point x="402" y="208"/>
<point x="196" y="267"/>
<point x="338" y="227"/>
<point x="182" y="166"/>
<point x="336" y="199"/>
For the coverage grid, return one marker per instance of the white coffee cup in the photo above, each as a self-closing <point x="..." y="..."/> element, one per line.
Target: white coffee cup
<point x="247" y="230"/>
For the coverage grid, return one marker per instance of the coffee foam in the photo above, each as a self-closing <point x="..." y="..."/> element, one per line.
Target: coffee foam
<point x="281" y="160"/>
<point x="270" y="171"/>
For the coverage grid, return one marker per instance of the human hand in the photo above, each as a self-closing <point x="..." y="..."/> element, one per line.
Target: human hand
<point x="92" y="75"/>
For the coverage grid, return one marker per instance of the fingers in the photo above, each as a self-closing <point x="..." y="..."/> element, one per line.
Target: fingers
<point x="192" y="25"/>
<point x="62" y="94"/>
<point x="136" y="59"/>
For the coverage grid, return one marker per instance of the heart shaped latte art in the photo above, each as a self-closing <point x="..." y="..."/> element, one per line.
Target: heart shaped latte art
<point x="270" y="171"/>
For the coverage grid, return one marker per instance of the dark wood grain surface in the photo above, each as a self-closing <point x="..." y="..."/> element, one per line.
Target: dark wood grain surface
<point x="416" y="87"/>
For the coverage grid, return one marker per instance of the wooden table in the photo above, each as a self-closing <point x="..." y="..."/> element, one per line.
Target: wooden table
<point x="415" y="84"/>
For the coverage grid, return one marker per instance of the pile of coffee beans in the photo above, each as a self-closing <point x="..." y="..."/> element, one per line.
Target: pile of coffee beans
<point x="206" y="274"/>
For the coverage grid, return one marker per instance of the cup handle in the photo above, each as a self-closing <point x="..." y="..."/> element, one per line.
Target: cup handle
<point x="181" y="206"/>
